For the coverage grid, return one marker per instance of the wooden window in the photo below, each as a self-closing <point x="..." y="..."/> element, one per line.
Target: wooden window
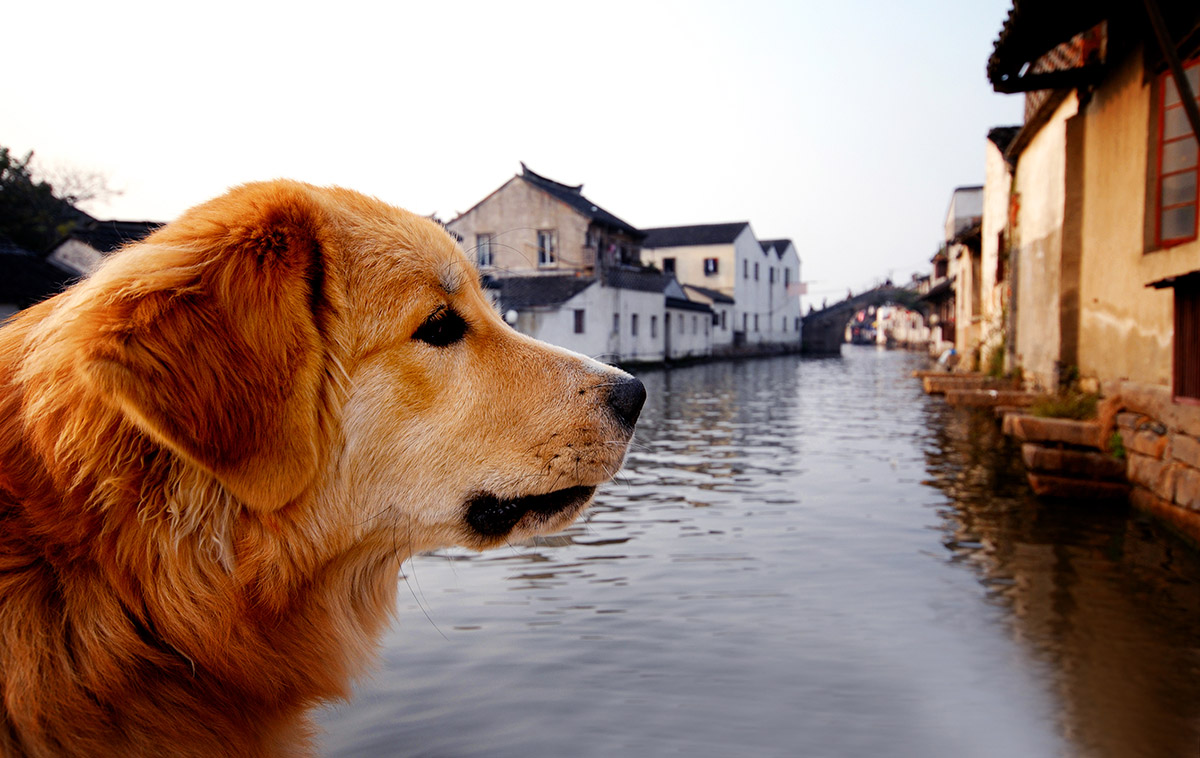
<point x="579" y="320"/>
<point x="669" y="265"/>
<point x="633" y="325"/>
<point x="547" y="247"/>
<point x="653" y="326"/>
<point x="1187" y="339"/>
<point x="710" y="266"/>
<point x="1176" y="211"/>
<point x="756" y="272"/>
<point x="616" y="323"/>
<point x="484" y="253"/>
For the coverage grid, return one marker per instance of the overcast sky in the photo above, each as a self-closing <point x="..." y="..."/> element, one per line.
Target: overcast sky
<point x="844" y="126"/>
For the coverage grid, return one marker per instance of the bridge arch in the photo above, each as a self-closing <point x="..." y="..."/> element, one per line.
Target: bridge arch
<point x="824" y="329"/>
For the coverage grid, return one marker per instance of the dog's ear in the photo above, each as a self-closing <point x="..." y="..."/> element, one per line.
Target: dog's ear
<point x="208" y="339"/>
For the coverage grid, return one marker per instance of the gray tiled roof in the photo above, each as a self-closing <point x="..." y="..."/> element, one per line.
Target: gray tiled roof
<point x="572" y="195"/>
<point x="537" y="291"/>
<point x="26" y="278"/>
<point x="715" y="295"/>
<point x="688" y="305"/>
<point x="780" y="245"/>
<point x="701" y="234"/>
<point x="107" y="236"/>
<point x="642" y="280"/>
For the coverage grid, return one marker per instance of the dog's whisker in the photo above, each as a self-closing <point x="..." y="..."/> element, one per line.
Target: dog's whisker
<point x="412" y="567"/>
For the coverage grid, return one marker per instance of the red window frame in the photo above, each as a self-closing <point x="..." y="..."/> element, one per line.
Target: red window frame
<point x="1174" y="112"/>
<point x="1187" y="341"/>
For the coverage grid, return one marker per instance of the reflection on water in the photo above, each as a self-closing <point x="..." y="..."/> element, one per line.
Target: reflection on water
<point x="802" y="557"/>
<point x="1108" y="602"/>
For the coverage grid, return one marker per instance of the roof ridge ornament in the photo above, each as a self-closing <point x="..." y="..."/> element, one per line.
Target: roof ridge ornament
<point x="528" y="173"/>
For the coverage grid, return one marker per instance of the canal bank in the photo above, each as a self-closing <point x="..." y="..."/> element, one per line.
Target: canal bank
<point x="1142" y="446"/>
<point x="801" y="557"/>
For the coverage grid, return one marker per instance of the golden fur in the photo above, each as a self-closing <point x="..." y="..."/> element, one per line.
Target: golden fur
<point x="218" y="449"/>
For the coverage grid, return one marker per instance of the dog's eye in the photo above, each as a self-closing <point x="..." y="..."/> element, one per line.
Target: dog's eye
<point x="444" y="327"/>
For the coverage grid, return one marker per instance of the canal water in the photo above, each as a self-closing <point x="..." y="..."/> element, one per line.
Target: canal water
<point x="801" y="558"/>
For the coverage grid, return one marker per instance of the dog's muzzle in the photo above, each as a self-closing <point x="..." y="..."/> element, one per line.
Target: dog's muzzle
<point x="491" y="516"/>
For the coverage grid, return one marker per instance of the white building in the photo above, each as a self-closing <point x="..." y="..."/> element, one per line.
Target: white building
<point x="688" y="332"/>
<point x="729" y="259"/>
<point x="783" y="292"/>
<point x="624" y="320"/>
<point x="722" y="315"/>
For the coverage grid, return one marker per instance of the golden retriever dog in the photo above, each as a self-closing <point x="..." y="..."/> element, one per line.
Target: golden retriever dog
<point x="216" y="452"/>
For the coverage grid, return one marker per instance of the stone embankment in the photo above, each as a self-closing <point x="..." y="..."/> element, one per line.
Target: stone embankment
<point x="1143" y="446"/>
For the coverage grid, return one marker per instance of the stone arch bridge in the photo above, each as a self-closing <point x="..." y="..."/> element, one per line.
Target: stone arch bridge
<point x="824" y="329"/>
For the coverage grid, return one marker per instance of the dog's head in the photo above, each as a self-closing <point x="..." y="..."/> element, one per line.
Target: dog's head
<point x="324" y="355"/>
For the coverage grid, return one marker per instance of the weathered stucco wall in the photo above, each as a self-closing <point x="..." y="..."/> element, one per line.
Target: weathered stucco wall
<point x="1126" y="328"/>
<point x="997" y="187"/>
<point x="1040" y="186"/>
<point x="967" y="312"/>
<point x="602" y="337"/>
<point x="689" y="264"/>
<point x="514" y="214"/>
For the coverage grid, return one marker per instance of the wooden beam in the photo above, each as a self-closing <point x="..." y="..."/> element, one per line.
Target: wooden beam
<point x="1069" y="78"/>
<point x="1172" y="55"/>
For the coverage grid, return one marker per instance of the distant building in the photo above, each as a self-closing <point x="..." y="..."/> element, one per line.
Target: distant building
<point x="784" y="289"/>
<point x="729" y="259"/>
<point x="532" y="224"/>
<point x="27" y="277"/>
<point x="91" y="240"/>
<point x="687" y="325"/>
<point x="722" y="314"/>
<point x="565" y="270"/>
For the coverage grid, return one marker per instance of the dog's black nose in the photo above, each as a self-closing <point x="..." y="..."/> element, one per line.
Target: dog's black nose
<point x="625" y="397"/>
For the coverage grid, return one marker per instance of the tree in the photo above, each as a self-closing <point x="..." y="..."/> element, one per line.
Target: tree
<point x="32" y="214"/>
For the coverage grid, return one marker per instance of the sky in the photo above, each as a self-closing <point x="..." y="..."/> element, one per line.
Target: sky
<point x="842" y="126"/>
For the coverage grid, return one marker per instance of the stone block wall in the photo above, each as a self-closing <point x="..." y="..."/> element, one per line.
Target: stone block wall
<point x="1162" y="447"/>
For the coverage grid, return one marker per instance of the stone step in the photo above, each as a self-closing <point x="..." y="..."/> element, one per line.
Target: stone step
<point x="989" y="398"/>
<point x="1064" y="431"/>
<point x="924" y="372"/>
<point x="936" y="385"/>
<point x="1046" y="485"/>
<point x="1072" y="463"/>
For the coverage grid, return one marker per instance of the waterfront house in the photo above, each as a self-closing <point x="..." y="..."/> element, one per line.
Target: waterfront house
<point x="1104" y="188"/>
<point x="534" y="225"/>
<point x="783" y="293"/>
<point x="565" y="270"/>
<point x="962" y="229"/>
<point x="729" y="258"/>
<point x="1103" y="230"/>
<point x="994" y="250"/>
<point x="937" y="297"/>
<point x="619" y="323"/>
<point x="688" y="324"/>
<point x="722" y="314"/>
